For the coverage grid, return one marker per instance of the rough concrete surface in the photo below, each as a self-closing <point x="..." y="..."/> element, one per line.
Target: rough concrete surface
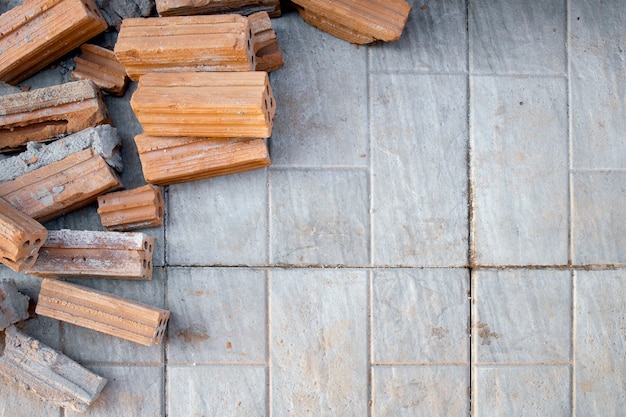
<point x="444" y="216"/>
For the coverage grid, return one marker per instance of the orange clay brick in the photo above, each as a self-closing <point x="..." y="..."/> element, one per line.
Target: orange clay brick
<point x="132" y="209"/>
<point x="102" y="67"/>
<point x="44" y="113"/>
<point x="38" y="32"/>
<point x="174" y="160"/>
<point x="265" y="43"/>
<point x="20" y="237"/>
<point x="357" y="21"/>
<point x="208" y="104"/>
<point x="95" y="254"/>
<point x="102" y="312"/>
<point x="185" y="44"/>
<point x="191" y="7"/>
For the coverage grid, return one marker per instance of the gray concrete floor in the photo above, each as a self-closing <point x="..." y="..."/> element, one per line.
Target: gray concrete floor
<point x="442" y="233"/>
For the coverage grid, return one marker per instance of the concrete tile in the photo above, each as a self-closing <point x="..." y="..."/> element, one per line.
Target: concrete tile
<point x="217" y="391"/>
<point x="16" y="402"/>
<point x="217" y="315"/>
<point x="218" y="221"/>
<point x="321" y="94"/>
<point x="319" y="217"/>
<point x="407" y="391"/>
<point x="79" y="342"/>
<point x="523" y="391"/>
<point x="419" y="170"/>
<point x="517" y="37"/>
<point x="519" y="170"/>
<point x="428" y="43"/>
<point x="598" y="83"/>
<point x="600" y="343"/>
<point x="522" y="316"/>
<point x="319" y="357"/>
<point x="420" y="316"/>
<point x="598" y="218"/>
<point x="131" y="391"/>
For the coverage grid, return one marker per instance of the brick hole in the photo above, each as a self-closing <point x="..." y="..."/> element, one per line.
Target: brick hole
<point x="145" y="264"/>
<point x="37" y="242"/>
<point x="30" y="259"/>
<point x="145" y="245"/>
<point x="26" y="244"/>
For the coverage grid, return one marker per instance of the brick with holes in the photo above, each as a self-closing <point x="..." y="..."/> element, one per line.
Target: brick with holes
<point x="193" y="7"/>
<point x="13" y="304"/>
<point x="132" y="209"/>
<point x="185" y="44"/>
<point x="46" y="113"/>
<point x="36" y="33"/>
<point x="102" y="312"/>
<point x="21" y="237"/>
<point x="207" y="104"/>
<point x="264" y="43"/>
<point x="95" y="254"/>
<point x="102" y="67"/>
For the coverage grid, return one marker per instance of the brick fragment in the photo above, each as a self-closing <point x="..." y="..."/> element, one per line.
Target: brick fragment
<point x="36" y="33"/>
<point x="95" y="254"/>
<point x="53" y="377"/>
<point x="102" y="312"/>
<point x="192" y="7"/>
<point x="102" y="67"/>
<point x="13" y="304"/>
<point x="208" y="104"/>
<point x="46" y="113"/>
<point x="264" y="43"/>
<point x="21" y="237"/>
<point x="185" y="44"/>
<point x="132" y="209"/>
<point x="168" y="161"/>
<point x="357" y="21"/>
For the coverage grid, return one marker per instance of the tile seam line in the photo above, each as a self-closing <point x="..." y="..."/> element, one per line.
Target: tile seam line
<point x="370" y="275"/>
<point x="319" y="168"/>
<point x="268" y="312"/>
<point x="217" y="364"/>
<point x="521" y="75"/>
<point x="418" y="364"/>
<point x="562" y="267"/>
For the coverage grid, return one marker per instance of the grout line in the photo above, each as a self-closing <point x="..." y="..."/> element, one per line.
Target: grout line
<point x="597" y="170"/>
<point x="570" y="141"/>
<point x="166" y="197"/>
<point x="369" y="112"/>
<point x="166" y="344"/>
<point x="318" y="168"/>
<point x="218" y="364"/>
<point x="519" y="364"/>
<point x="268" y="234"/>
<point x="521" y="75"/>
<point x="416" y="72"/>
<point x="370" y="343"/>
<point x="416" y="364"/>
<point x="581" y="267"/>
<point x="573" y="352"/>
<point x="269" y="338"/>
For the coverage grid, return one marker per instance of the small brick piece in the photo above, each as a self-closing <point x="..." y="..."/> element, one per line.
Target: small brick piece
<point x="45" y="113"/>
<point x="53" y="377"/>
<point x="102" y="67"/>
<point x="132" y="209"/>
<point x="37" y="33"/>
<point x="191" y="7"/>
<point x="175" y="160"/>
<point x="357" y="21"/>
<point x="265" y="43"/>
<point x="207" y="104"/>
<point x="95" y="254"/>
<point x="20" y="237"/>
<point x="102" y="312"/>
<point x="13" y="305"/>
<point x="61" y="187"/>
<point x="185" y="44"/>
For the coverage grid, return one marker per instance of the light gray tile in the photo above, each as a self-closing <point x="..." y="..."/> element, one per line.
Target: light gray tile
<point x="131" y="391"/>
<point x="523" y="316"/>
<point x="319" y="217"/>
<point x="15" y="402"/>
<point x="420" y="315"/>
<point x="217" y="315"/>
<point x="599" y="218"/>
<point x="408" y="391"/>
<point x="519" y="170"/>
<point x="217" y="391"/>
<point x="523" y="391"/>
<point x="218" y="221"/>
<point x="321" y="98"/>
<point x="598" y="83"/>
<point x="600" y="343"/>
<point x="434" y="40"/>
<point x="517" y="37"/>
<point x="319" y="359"/>
<point x="86" y="345"/>
<point x="419" y="139"/>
